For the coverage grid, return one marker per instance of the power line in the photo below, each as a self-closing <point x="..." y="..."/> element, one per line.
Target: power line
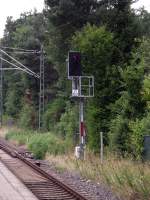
<point x="31" y="72"/>
<point x="28" y="71"/>
<point x="20" y="49"/>
<point x="14" y="65"/>
<point x="22" y="52"/>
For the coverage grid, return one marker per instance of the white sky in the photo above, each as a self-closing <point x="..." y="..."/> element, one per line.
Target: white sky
<point x="16" y="7"/>
<point x="145" y="3"/>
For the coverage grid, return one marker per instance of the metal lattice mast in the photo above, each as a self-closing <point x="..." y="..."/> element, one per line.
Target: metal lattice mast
<point x="1" y="90"/>
<point x="41" y="95"/>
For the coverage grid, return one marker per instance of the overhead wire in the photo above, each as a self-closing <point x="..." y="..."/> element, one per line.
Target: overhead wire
<point x="14" y="65"/>
<point x="27" y="69"/>
<point x="22" y="52"/>
<point x="20" y="49"/>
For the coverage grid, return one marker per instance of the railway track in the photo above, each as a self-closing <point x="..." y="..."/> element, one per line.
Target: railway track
<point x="43" y="185"/>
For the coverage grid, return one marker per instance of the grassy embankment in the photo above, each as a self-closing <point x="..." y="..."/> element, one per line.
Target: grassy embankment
<point x="128" y="179"/>
<point x="38" y="143"/>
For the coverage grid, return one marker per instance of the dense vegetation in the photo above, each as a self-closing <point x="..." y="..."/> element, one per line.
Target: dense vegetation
<point x="114" y="40"/>
<point x="39" y="143"/>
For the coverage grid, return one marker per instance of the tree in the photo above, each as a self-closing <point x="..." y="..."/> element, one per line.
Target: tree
<point x="143" y="19"/>
<point x="130" y="106"/>
<point x="22" y="33"/>
<point x="65" y="18"/>
<point x="96" y="46"/>
<point x="122" y="21"/>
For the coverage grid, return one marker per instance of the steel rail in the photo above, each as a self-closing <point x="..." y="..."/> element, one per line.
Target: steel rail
<point x="14" y="153"/>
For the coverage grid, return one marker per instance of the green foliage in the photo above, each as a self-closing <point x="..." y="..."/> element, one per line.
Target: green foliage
<point x="13" y="98"/>
<point x="106" y="33"/>
<point x="96" y="44"/>
<point x="94" y="41"/>
<point x="40" y="143"/>
<point x="22" y="33"/>
<point x="123" y="22"/>
<point x="64" y="15"/>
<point x="39" y="146"/>
<point x="68" y="124"/>
<point x="93" y="126"/>
<point x="118" y="95"/>
<point x="146" y="91"/>
<point x="125" y="27"/>
<point x="128" y="107"/>
<point x="22" y="137"/>
<point x="139" y="128"/>
<point x="119" y="134"/>
<point x="133" y="78"/>
<point x="143" y="19"/>
<point x="28" y="117"/>
<point x="53" y="113"/>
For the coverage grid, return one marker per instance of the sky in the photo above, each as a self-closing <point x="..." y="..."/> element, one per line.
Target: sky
<point x="145" y="3"/>
<point x="16" y="7"/>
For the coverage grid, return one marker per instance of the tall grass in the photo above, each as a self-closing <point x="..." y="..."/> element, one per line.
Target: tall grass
<point x="129" y="180"/>
<point x="39" y="143"/>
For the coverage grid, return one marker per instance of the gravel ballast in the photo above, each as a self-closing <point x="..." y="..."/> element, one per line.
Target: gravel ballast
<point x="94" y="191"/>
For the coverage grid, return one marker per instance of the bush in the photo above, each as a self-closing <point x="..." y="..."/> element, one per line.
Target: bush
<point x="139" y="128"/>
<point x="27" y="117"/>
<point x="68" y="124"/>
<point x="53" y="113"/>
<point x="93" y="126"/>
<point x="13" y="102"/>
<point x="40" y="143"/>
<point x="119" y="134"/>
<point x="39" y="146"/>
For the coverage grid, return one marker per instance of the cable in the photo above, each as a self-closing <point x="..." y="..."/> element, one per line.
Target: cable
<point x="16" y="67"/>
<point x="23" y="52"/>
<point x="33" y="73"/>
<point x="20" y="49"/>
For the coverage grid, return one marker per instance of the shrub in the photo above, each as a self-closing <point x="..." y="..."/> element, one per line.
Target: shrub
<point x="39" y="146"/>
<point x="53" y="113"/>
<point x="68" y="124"/>
<point x="139" y="128"/>
<point x="119" y="134"/>
<point x="40" y="143"/>
<point x="27" y="117"/>
<point x="93" y="126"/>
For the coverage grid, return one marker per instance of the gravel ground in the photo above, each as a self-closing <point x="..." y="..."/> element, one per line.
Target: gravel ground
<point x="86" y="187"/>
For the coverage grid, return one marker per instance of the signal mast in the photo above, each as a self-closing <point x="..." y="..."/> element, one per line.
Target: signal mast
<point x="82" y="88"/>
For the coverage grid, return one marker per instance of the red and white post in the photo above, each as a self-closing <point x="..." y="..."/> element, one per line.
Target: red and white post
<point x="81" y="127"/>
